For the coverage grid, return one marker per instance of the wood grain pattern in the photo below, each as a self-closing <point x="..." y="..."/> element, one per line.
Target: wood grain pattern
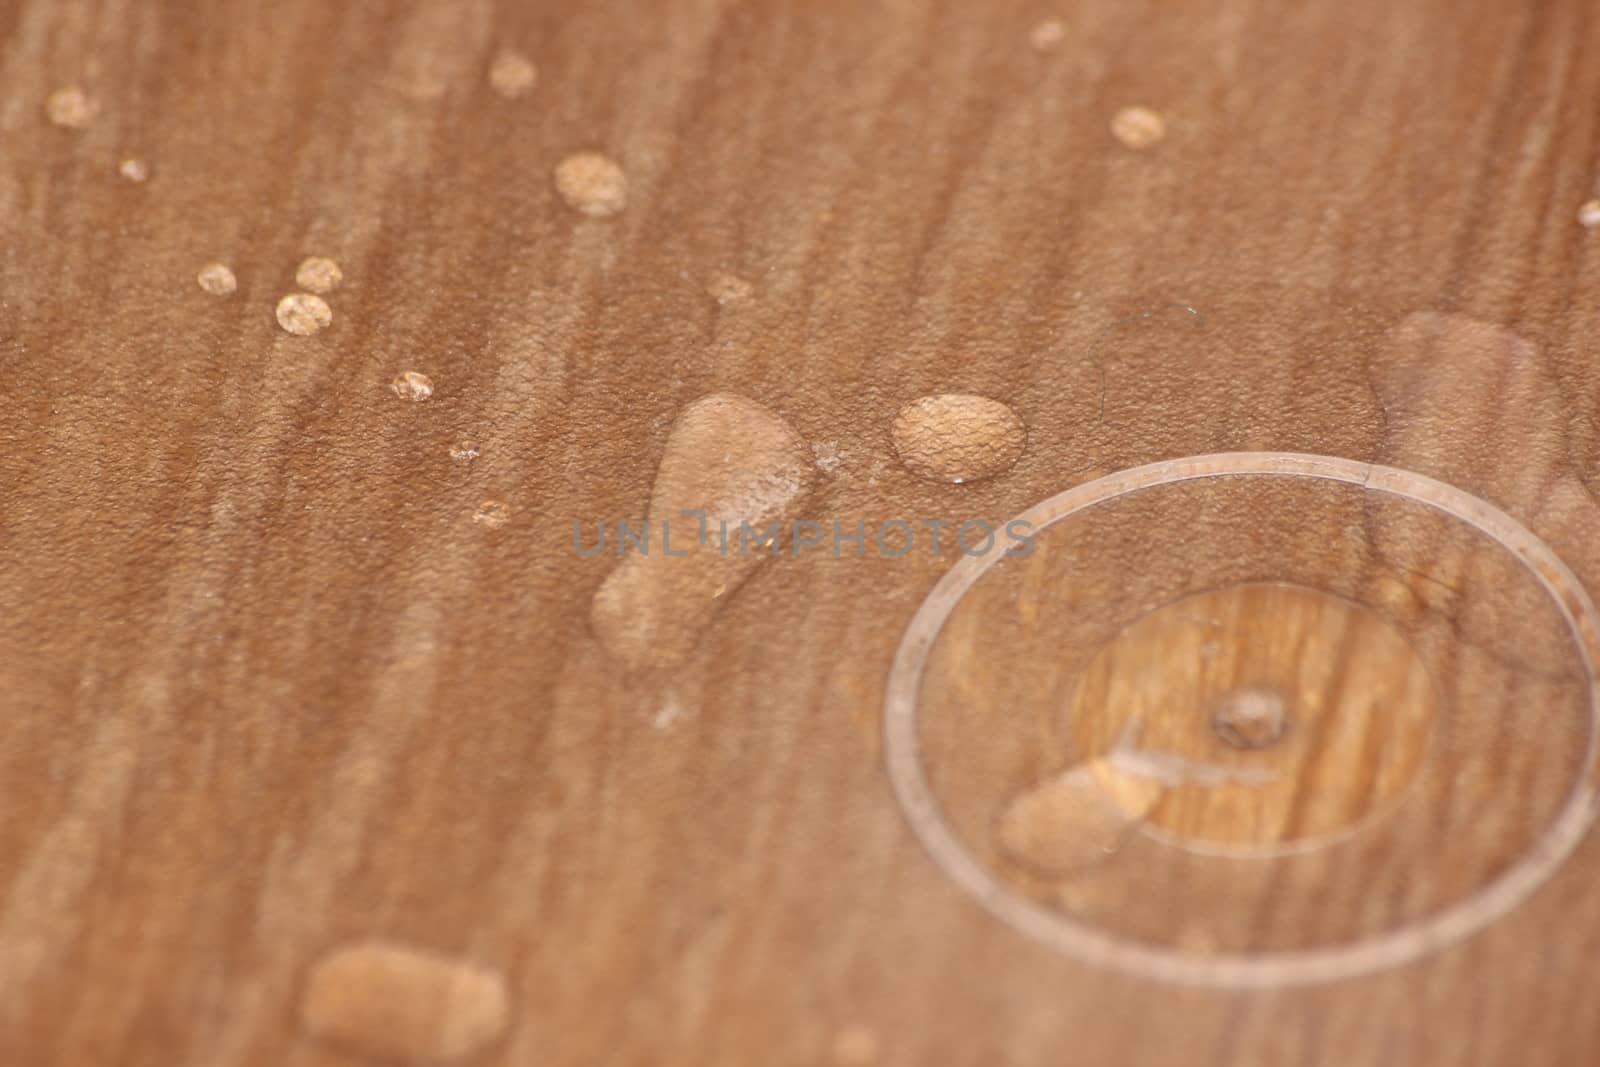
<point x="268" y="691"/>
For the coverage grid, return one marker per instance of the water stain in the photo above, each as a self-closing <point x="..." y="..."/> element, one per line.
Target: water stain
<point x="303" y="314"/>
<point x="739" y="463"/>
<point x="1138" y="127"/>
<point x="512" y="74"/>
<point x="957" y="437"/>
<point x="464" y="451"/>
<point x="217" y="279"/>
<point x="318" y="274"/>
<point x="592" y="184"/>
<point x="135" y="170"/>
<point x="412" y="385"/>
<point x="389" y="1002"/>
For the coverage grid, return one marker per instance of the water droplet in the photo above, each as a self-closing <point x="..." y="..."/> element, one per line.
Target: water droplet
<point x="389" y="1002"/>
<point x="135" y="170"/>
<point x="956" y="437"/>
<point x="1074" y="819"/>
<point x="492" y="513"/>
<point x="303" y="314"/>
<point x="217" y="279"/>
<point x="737" y="462"/>
<point x="856" y="1045"/>
<point x="1138" y="127"/>
<point x="1047" y="35"/>
<point x="412" y="385"/>
<point x="1589" y="213"/>
<point x="318" y="274"/>
<point x="513" y="75"/>
<point x="592" y="184"/>
<point x="71" y="107"/>
<point x="728" y="289"/>
<point x="1252" y="717"/>
<point x="465" y="452"/>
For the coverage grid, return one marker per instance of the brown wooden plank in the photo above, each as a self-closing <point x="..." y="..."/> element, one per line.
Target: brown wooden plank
<point x="301" y="745"/>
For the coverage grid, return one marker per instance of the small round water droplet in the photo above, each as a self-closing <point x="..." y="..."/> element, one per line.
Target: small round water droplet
<point x="592" y="184"/>
<point x="412" y="385"/>
<point x="957" y="437"/>
<point x="513" y="75"/>
<point x="492" y="513"/>
<point x="71" y="107"/>
<point x="728" y="289"/>
<point x="395" y="1003"/>
<point x="217" y="279"/>
<point x="1047" y="35"/>
<point x="303" y="314"/>
<point x="135" y="170"/>
<point x="1589" y="213"/>
<point x="1138" y="127"/>
<point x="318" y="274"/>
<point x="464" y="452"/>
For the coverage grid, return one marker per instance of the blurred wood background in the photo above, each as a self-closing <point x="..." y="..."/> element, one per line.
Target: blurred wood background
<point x="273" y="684"/>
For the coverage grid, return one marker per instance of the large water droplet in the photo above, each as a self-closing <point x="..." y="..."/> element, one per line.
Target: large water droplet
<point x="1074" y="819"/>
<point x="956" y="437"/>
<point x="737" y="462"/>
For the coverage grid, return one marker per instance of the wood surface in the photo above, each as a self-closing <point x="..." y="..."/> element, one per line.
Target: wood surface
<point x="310" y="758"/>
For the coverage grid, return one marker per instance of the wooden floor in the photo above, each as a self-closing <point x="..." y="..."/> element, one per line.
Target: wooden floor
<point x="324" y="743"/>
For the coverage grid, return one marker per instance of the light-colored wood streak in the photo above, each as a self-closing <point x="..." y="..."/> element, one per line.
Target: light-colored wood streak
<point x="268" y="689"/>
<point x="1358" y="705"/>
